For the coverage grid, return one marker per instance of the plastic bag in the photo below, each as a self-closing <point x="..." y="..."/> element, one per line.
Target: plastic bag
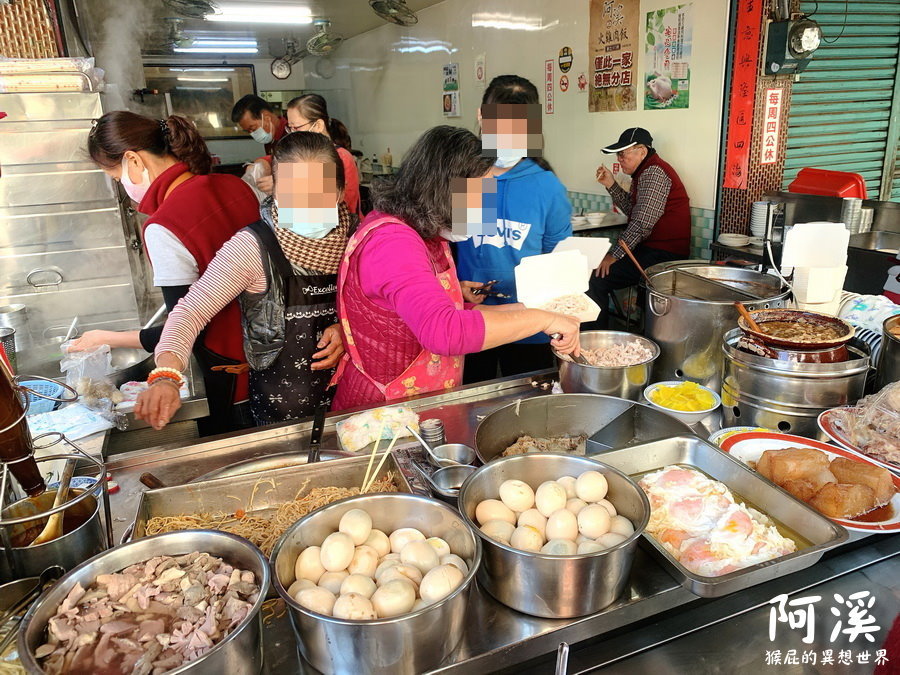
<point x="88" y="373"/>
<point x="874" y="424"/>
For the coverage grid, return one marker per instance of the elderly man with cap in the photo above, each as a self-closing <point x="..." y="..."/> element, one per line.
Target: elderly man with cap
<point x="659" y="216"/>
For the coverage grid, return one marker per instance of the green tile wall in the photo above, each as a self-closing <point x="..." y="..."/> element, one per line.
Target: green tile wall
<point x="703" y="221"/>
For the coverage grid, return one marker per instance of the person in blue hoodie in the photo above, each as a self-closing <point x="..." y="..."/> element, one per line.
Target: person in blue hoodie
<point x="533" y="216"/>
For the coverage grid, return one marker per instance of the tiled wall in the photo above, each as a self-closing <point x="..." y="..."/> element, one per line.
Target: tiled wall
<point x="703" y="221"/>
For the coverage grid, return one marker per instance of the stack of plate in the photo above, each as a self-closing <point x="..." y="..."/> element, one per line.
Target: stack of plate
<point x="759" y="212"/>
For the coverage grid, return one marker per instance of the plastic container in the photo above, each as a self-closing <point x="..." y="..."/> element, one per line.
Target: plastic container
<point x="36" y="404"/>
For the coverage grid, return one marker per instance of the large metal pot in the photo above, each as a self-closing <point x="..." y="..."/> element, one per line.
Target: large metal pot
<point x="553" y="586"/>
<point x="622" y="381"/>
<point x="787" y="395"/>
<point x="889" y="358"/>
<point x="240" y="653"/>
<point x="130" y="365"/>
<point x="411" y="643"/>
<point x="67" y="551"/>
<point x="690" y="306"/>
<point x="608" y="422"/>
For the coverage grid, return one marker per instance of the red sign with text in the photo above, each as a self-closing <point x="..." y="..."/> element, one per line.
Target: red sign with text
<point x="768" y="153"/>
<point x="549" y="85"/>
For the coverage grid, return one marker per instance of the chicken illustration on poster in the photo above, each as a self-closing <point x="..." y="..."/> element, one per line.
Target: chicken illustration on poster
<point x="612" y="45"/>
<point x="667" y="77"/>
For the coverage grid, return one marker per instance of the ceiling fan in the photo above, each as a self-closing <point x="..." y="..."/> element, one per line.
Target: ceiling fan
<point x="323" y="42"/>
<point x="394" y="11"/>
<point x="192" y="9"/>
<point x="175" y="35"/>
<point x="281" y="67"/>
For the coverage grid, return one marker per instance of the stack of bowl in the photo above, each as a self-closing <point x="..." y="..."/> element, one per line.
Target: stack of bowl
<point x="595" y="218"/>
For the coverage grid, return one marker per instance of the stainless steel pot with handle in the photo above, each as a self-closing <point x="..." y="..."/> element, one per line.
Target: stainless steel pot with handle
<point x="889" y="358"/>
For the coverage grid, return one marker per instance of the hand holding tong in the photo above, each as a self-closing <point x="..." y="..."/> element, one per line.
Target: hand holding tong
<point x="487" y="289"/>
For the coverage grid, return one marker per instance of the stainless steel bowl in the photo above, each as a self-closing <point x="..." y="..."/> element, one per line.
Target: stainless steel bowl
<point x="623" y="381"/>
<point x="412" y="643"/>
<point x="450" y="454"/>
<point x="240" y="653"/>
<point x="553" y="586"/>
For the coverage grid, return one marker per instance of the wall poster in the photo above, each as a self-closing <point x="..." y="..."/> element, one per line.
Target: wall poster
<point x="612" y="42"/>
<point x="667" y="80"/>
<point x="450" y="90"/>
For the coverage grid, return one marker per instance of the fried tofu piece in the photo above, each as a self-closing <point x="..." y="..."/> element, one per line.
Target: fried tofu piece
<point x="801" y="488"/>
<point x="843" y="500"/>
<point x="792" y="464"/>
<point x="861" y="473"/>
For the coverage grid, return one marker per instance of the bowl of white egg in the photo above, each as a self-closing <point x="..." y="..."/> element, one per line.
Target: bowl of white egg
<point x="559" y="531"/>
<point x="377" y="583"/>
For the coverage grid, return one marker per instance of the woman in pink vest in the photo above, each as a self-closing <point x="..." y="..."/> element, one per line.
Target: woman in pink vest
<point x="659" y="217"/>
<point x="406" y="328"/>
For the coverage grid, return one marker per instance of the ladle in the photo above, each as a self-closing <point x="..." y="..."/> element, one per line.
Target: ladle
<point x="747" y="317"/>
<point x="437" y="458"/>
<point x="48" y="577"/>
<point x="443" y="490"/>
<point x="54" y="527"/>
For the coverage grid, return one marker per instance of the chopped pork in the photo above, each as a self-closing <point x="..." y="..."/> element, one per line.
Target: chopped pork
<point x="149" y="618"/>
<point x="617" y="356"/>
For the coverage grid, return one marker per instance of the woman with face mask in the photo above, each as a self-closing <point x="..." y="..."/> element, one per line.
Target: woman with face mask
<point x="401" y="306"/>
<point x="164" y="167"/>
<point x="310" y="113"/>
<point x="282" y="269"/>
<point x="533" y="214"/>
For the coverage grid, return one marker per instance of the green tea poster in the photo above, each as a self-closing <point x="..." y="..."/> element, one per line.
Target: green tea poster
<point x="667" y="78"/>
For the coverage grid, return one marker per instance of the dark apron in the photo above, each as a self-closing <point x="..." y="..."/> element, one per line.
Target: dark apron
<point x="288" y="389"/>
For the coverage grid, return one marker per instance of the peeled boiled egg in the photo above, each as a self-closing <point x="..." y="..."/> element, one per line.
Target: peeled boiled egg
<point x="394" y="598"/>
<point x="379" y="541"/>
<point x="516" y="495"/>
<point x="501" y="530"/>
<point x="549" y="497"/>
<point x="608" y="505"/>
<point x="365" y="561"/>
<point x="309" y="564"/>
<point x="589" y="547"/>
<point x="610" y="539"/>
<point x="419" y="604"/>
<point x="359" y="584"/>
<point x="562" y="524"/>
<point x="591" y="486"/>
<point x="316" y="599"/>
<point x="356" y="523"/>
<point x="421" y="555"/>
<point x="337" y="551"/>
<point x="400" y="538"/>
<point x="401" y="572"/>
<point x="534" y="518"/>
<point x="593" y="521"/>
<point x="391" y="556"/>
<point x="440" y="582"/>
<point x="384" y="565"/>
<point x="568" y="482"/>
<point x="494" y="509"/>
<point x="333" y="580"/>
<point x="575" y="505"/>
<point x="440" y="546"/>
<point x="621" y="525"/>
<point x="580" y="539"/>
<point x="453" y="559"/>
<point x="560" y="547"/>
<point x="526" y="538"/>
<point x="298" y="586"/>
<point x="354" y="607"/>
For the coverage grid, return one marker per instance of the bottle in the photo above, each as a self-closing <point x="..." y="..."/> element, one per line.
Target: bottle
<point x="16" y="449"/>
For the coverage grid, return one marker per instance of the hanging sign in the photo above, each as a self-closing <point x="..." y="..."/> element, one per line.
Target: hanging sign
<point x="549" y="85"/>
<point x="612" y="43"/>
<point x="771" y="125"/>
<point x="565" y="59"/>
<point x="743" y="90"/>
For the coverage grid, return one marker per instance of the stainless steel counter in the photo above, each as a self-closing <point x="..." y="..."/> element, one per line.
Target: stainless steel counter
<point x="500" y="638"/>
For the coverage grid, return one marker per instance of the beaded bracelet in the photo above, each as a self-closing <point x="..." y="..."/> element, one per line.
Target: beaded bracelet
<point x="170" y="374"/>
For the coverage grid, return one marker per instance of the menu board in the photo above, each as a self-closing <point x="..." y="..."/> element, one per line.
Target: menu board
<point x="612" y="42"/>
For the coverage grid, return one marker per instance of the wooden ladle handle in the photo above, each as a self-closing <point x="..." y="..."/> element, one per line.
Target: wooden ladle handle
<point x="749" y="319"/>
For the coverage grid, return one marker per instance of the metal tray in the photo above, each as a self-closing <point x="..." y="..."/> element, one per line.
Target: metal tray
<point x="233" y="492"/>
<point x="691" y="451"/>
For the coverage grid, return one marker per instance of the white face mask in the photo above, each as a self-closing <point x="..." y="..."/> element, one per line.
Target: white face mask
<point x="312" y="223"/>
<point x="260" y="135"/>
<point x="506" y="157"/>
<point x="135" y="190"/>
<point x="450" y="236"/>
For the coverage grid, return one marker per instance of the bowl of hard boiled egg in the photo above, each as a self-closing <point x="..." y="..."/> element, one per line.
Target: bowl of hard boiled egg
<point x="559" y="531"/>
<point x="377" y="582"/>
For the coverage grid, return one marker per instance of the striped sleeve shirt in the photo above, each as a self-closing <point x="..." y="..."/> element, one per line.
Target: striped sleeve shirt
<point x="236" y="268"/>
<point x="652" y="187"/>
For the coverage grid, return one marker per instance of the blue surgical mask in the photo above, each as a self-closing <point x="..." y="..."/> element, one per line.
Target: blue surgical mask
<point x="508" y="158"/>
<point x="260" y="135"/>
<point x="312" y="223"/>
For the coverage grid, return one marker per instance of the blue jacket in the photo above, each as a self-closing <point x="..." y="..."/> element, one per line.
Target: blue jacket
<point x="533" y="214"/>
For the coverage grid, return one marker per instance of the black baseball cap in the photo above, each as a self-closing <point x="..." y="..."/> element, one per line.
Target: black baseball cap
<point x="630" y="137"/>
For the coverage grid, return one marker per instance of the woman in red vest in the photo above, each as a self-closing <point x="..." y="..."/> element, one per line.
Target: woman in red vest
<point x="659" y="217"/>
<point x="164" y="166"/>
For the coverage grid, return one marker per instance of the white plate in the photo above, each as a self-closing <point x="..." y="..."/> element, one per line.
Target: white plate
<point x="730" y="239"/>
<point x="749" y="447"/>
<point x="757" y="241"/>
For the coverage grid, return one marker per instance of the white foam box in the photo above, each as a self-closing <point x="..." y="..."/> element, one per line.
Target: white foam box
<point x="819" y="244"/>
<point x="594" y="248"/>
<point x="540" y="279"/>
<point x="818" y="284"/>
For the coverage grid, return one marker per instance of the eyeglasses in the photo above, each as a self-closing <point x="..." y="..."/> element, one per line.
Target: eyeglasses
<point x="292" y="128"/>
<point x="621" y="153"/>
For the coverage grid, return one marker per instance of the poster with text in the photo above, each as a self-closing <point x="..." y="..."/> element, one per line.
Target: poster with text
<point x="450" y="90"/>
<point x="667" y="80"/>
<point x="612" y="41"/>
